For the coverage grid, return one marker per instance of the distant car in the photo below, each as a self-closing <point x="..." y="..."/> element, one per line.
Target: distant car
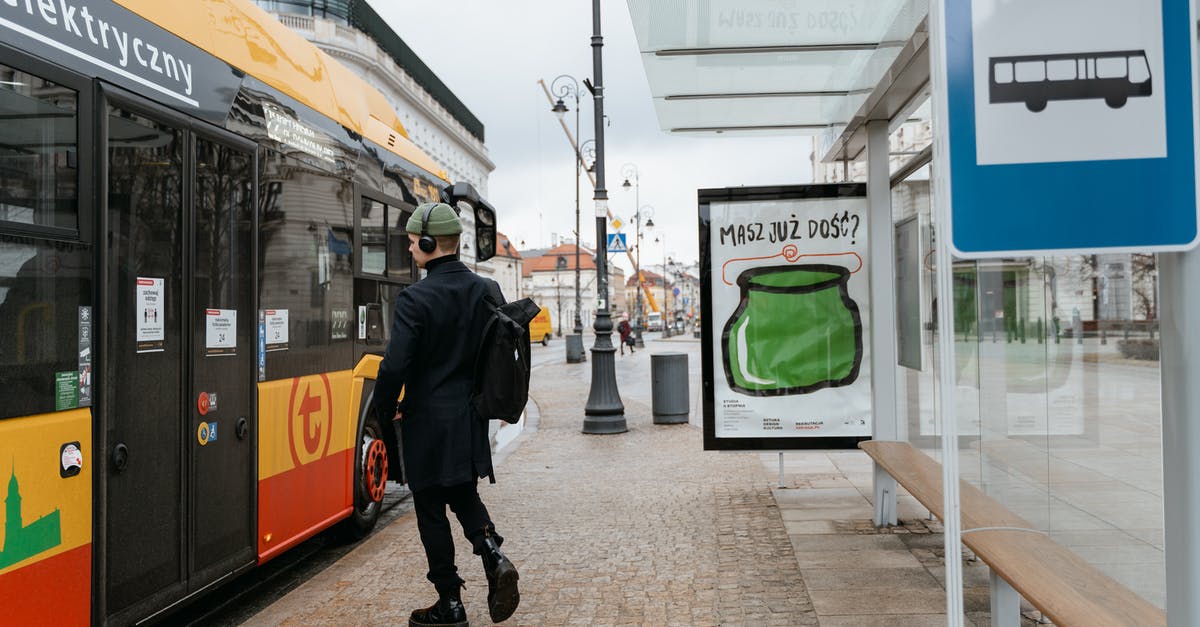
<point x="540" y="329"/>
<point x="654" y="321"/>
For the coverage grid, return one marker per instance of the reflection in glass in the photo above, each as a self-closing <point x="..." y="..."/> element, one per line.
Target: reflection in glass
<point x="374" y="232"/>
<point x="1057" y="395"/>
<point x="306" y="217"/>
<point x="38" y="151"/>
<point x="42" y="286"/>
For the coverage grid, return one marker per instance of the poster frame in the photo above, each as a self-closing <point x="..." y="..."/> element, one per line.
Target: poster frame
<point x="709" y="369"/>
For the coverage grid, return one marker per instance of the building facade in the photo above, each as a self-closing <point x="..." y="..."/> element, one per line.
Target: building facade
<point x="435" y="119"/>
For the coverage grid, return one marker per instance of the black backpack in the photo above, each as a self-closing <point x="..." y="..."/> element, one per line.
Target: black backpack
<point x="502" y="363"/>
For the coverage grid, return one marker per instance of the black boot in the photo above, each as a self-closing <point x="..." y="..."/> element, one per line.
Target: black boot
<point x="447" y="612"/>
<point x="503" y="596"/>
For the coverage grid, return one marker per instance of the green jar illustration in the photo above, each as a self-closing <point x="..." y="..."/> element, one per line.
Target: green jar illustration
<point x="795" y="331"/>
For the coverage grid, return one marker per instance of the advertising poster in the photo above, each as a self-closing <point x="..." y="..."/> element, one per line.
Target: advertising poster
<point x="786" y="302"/>
<point x="151" y="318"/>
<point x="220" y="332"/>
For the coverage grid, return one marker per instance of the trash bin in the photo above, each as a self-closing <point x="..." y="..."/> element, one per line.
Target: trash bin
<point x="575" y="352"/>
<point x="669" y="386"/>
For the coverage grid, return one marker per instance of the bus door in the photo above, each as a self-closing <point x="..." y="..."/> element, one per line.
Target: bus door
<point x="180" y="352"/>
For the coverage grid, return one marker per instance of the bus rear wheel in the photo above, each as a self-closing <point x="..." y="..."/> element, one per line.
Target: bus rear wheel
<point x="1115" y="102"/>
<point x="546" y="340"/>
<point x="1035" y="105"/>
<point x="370" y="480"/>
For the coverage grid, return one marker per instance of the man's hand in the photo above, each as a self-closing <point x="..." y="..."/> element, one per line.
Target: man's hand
<point x="399" y="416"/>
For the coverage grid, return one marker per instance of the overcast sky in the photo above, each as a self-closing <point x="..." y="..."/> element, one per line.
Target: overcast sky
<point x="491" y="54"/>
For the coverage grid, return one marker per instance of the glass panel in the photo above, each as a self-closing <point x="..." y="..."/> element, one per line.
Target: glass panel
<point x="222" y="471"/>
<point x="42" y="286"/>
<point x="400" y="262"/>
<point x="145" y="354"/>
<point x="808" y="110"/>
<point x="306" y="271"/>
<point x="374" y="248"/>
<point x="662" y="24"/>
<point x="750" y="73"/>
<point x="1105" y="417"/>
<point x="38" y="151"/>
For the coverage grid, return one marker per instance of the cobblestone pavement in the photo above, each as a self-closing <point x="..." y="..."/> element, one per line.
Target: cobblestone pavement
<point x="639" y="528"/>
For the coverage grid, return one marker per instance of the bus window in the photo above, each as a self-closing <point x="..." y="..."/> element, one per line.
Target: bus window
<point x="38" y="151"/>
<point x="1030" y="71"/>
<point x="306" y="264"/>
<point x="42" y="287"/>
<point x="1111" y="67"/>
<point x="1003" y="72"/>
<point x="399" y="260"/>
<point x="374" y="249"/>
<point x="1139" y="72"/>
<point x="1061" y="70"/>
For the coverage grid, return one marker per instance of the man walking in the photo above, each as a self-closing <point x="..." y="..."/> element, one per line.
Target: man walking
<point x="437" y="329"/>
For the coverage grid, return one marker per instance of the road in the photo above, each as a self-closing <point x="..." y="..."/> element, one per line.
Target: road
<point x="238" y="600"/>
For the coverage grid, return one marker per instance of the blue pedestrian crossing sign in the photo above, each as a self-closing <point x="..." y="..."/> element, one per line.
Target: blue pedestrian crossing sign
<point x="1066" y="139"/>
<point x="616" y="243"/>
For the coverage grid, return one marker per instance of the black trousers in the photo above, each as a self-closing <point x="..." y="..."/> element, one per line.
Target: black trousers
<point x="434" y="527"/>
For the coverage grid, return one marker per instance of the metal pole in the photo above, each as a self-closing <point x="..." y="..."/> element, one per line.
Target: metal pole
<point x="1178" y="276"/>
<point x="638" y="271"/>
<point x="578" y="235"/>
<point x="604" y="412"/>
<point x="666" y="332"/>
<point x="885" y="425"/>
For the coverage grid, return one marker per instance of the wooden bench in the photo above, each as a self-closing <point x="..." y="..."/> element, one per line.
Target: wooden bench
<point x="1067" y="589"/>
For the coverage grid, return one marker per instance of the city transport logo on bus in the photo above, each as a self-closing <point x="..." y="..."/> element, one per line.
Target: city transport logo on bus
<point x="310" y="419"/>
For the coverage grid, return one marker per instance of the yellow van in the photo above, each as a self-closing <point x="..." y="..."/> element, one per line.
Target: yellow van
<point x="540" y="329"/>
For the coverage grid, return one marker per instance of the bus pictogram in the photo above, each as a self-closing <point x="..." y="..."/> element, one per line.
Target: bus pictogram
<point x="1035" y="80"/>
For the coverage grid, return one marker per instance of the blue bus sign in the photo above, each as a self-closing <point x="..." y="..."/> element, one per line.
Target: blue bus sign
<point x="1063" y="138"/>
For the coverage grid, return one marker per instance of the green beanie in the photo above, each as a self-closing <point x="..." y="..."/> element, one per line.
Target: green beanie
<point x="442" y="220"/>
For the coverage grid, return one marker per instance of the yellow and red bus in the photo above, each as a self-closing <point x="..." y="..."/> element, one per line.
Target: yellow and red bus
<point x="201" y="235"/>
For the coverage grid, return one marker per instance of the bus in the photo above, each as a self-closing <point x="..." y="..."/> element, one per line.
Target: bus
<point x="1113" y="77"/>
<point x="201" y="238"/>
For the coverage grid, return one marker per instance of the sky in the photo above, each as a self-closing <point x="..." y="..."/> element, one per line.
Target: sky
<point x="491" y="55"/>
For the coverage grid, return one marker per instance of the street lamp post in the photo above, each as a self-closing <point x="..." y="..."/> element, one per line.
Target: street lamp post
<point x="604" y="412"/>
<point x="566" y="86"/>
<point x="666" y="312"/>
<point x="630" y="172"/>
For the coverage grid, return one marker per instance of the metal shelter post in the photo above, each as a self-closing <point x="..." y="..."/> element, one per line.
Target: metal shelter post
<point x="1179" y="308"/>
<point x="883" y="312"/>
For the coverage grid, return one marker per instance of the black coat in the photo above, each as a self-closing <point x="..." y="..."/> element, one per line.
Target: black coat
<point x="436" y="332"/>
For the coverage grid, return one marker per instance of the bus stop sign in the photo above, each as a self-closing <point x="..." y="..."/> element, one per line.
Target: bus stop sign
<point x="1070" y="125"/>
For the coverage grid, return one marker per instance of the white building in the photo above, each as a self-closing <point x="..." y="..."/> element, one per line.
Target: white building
<point x="435" y="119"/>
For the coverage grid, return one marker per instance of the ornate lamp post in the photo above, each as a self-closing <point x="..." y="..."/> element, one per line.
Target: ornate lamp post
<point x="565" y="86"/>
<point x="630" y="172"/>
<point x="666" y="312"/>
<point x="604" y="412"/>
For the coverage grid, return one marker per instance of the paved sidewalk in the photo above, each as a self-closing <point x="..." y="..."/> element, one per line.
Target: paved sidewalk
<point x="645" y="528"/>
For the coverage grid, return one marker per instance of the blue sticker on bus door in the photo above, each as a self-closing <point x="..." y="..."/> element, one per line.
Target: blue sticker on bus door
<point x="1069" y="138"/>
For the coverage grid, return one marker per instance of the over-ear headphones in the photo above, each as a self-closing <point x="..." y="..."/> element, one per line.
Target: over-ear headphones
<point x="426" y="243"/>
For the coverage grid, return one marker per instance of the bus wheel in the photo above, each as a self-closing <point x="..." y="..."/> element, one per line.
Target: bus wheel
<point x="370" y="481"/>
<point x="546" y="340"/>
<point x="1035" y="105"/>
<point x="1116" y="102"/>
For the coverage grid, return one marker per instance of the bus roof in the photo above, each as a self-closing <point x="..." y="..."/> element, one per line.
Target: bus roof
<point x="245" y="36"/>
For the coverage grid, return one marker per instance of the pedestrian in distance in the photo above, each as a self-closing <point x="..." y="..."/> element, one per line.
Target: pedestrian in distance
<point x="626" y="333"/>
<point x="437" y="330"/>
